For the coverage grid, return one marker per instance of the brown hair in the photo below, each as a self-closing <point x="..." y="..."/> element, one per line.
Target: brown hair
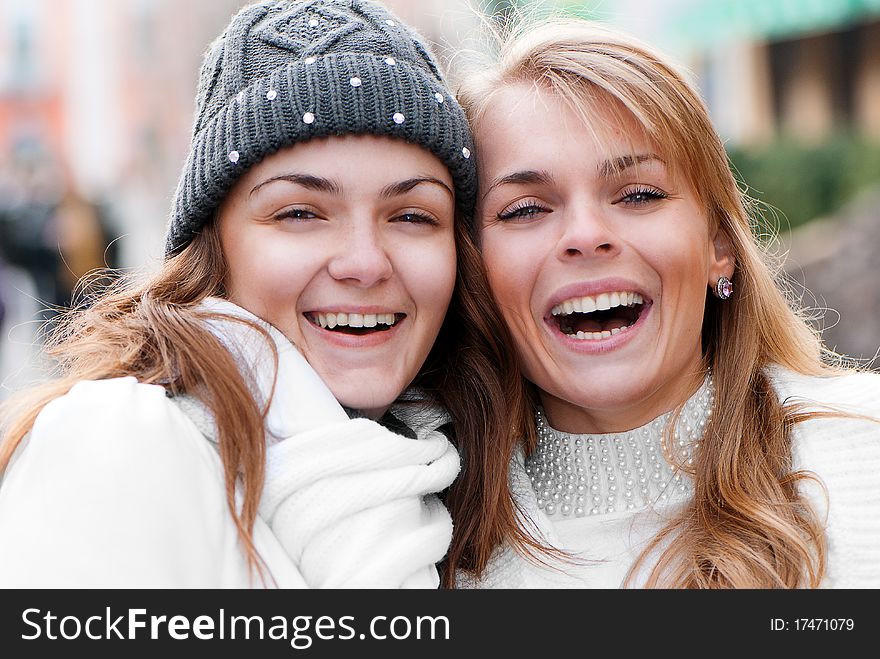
<point x="747" y="524"/>
<point x="475" y="376"/>
<point x="155" y="331"/>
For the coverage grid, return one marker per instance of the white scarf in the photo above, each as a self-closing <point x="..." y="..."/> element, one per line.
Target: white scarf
<point x="353" y="504"/>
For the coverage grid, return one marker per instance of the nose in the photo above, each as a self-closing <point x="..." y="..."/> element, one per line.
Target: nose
<point x="360" y="255"/>
<point x="587" y="232"/>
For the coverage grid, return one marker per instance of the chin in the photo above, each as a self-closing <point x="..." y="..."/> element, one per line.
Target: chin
<point x="373" y="406"/>
<point x="608" y="399"/>
<point x="605" y="390"/>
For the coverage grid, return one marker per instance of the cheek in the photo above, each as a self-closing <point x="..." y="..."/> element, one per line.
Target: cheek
<point x="268" y="281"/>
<point x="512" y="267"/>
<point x="677" y="249"/>
<point x="428" y="272"/>
<point x="682" y="265"/>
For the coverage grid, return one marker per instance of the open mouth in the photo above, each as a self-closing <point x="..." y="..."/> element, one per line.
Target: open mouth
<point x="592" y="318"/>
<point x="357" y="324"/>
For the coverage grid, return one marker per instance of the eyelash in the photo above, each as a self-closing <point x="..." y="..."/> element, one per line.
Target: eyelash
<point x="302" y="214"/>
<point x="647" y="195"/>
<point x="639" y="196"/>
<point x="518" y="212"/>
<point x="295" y="214"/>
<point x="418" y="218"/>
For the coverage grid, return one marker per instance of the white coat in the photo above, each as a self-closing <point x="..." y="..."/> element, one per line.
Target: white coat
<point x="119" y="485"/>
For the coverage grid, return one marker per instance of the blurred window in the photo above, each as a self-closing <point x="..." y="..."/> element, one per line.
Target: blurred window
<point x="24" y="66"/>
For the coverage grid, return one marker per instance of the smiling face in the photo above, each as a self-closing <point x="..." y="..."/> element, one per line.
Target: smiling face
<point x="346" y="245"/>
<point x="599" y="258"/>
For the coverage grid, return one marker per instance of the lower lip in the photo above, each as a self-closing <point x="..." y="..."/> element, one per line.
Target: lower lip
<point x="595" y="346"/>
<point x="371" y="340"/>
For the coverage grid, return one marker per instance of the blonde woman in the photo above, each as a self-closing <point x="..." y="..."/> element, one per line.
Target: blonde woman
<point x="198" y="434"/>
<point x="683" y="429"/>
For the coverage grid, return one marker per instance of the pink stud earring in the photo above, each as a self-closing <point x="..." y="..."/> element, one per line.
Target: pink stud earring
<point x="723" y="288"/>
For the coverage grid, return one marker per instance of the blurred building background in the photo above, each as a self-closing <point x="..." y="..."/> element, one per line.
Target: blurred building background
<point x="96" y="105"/>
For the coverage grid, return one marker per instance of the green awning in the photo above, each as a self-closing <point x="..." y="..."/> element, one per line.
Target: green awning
<point x="706" y="22"/>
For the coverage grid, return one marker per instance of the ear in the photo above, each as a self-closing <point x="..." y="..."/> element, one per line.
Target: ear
<point x="721" y="260"/>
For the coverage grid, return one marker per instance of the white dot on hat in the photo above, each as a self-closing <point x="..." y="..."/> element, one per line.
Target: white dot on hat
<point x="466" y="152"/>
<point x="355" y="82"/>
<point x="439" y="97"/>
<point x="398" y="118"/>
<point x="390" y="22"/>
<point x="390" y="61"/>
<point x="311" y="60"/>
<point x="313" y="22"/>
<point x="271" y="94"/>
<point x="234" y="156"/>
<point x="308" y="118"/>
<point x="240" y="96"/>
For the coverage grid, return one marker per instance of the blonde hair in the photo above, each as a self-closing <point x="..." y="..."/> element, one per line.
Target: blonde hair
<point x="747" y="524"/>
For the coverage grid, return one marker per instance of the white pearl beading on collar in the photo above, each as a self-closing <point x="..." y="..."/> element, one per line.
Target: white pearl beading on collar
<point x="598" y="474"/>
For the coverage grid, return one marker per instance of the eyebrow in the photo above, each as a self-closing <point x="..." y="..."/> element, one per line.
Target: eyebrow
<point x="402" y="187"/>
<point x="539" y="177"/>
<point x="528" y="176"/>
<point x="321" y="184"/>
<point x="317" y="183"/>
<point x="618" y="165"/>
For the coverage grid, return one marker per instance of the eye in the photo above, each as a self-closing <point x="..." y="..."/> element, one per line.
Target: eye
<point x="526" y="209"/>
<point x="295" y="215"/>
<point x="413" y="217"/>
<point x="641" y="195"/>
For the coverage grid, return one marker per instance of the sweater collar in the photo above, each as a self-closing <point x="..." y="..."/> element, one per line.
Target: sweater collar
<point x="575" y="475"/>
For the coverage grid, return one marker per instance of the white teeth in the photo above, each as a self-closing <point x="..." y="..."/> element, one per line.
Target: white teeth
<point x="596" y="336"/>
<point x="601" y="302"/>
<point x="342" y="319"/>
<point x="589" y="336"/>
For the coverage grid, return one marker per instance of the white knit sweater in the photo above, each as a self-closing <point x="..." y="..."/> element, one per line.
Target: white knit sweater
<point x="118" y="485"/>
<point x="843" y="452"/>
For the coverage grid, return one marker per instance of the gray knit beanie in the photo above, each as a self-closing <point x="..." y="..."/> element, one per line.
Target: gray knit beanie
<point x="286" y="71"/>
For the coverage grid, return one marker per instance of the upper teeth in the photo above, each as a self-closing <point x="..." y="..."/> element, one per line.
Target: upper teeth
<point x="600" y="302"/>
<point x="331" y="320"/>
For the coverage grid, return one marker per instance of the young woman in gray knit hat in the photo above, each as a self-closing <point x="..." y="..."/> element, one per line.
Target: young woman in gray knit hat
<point x="259" y="413"/>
